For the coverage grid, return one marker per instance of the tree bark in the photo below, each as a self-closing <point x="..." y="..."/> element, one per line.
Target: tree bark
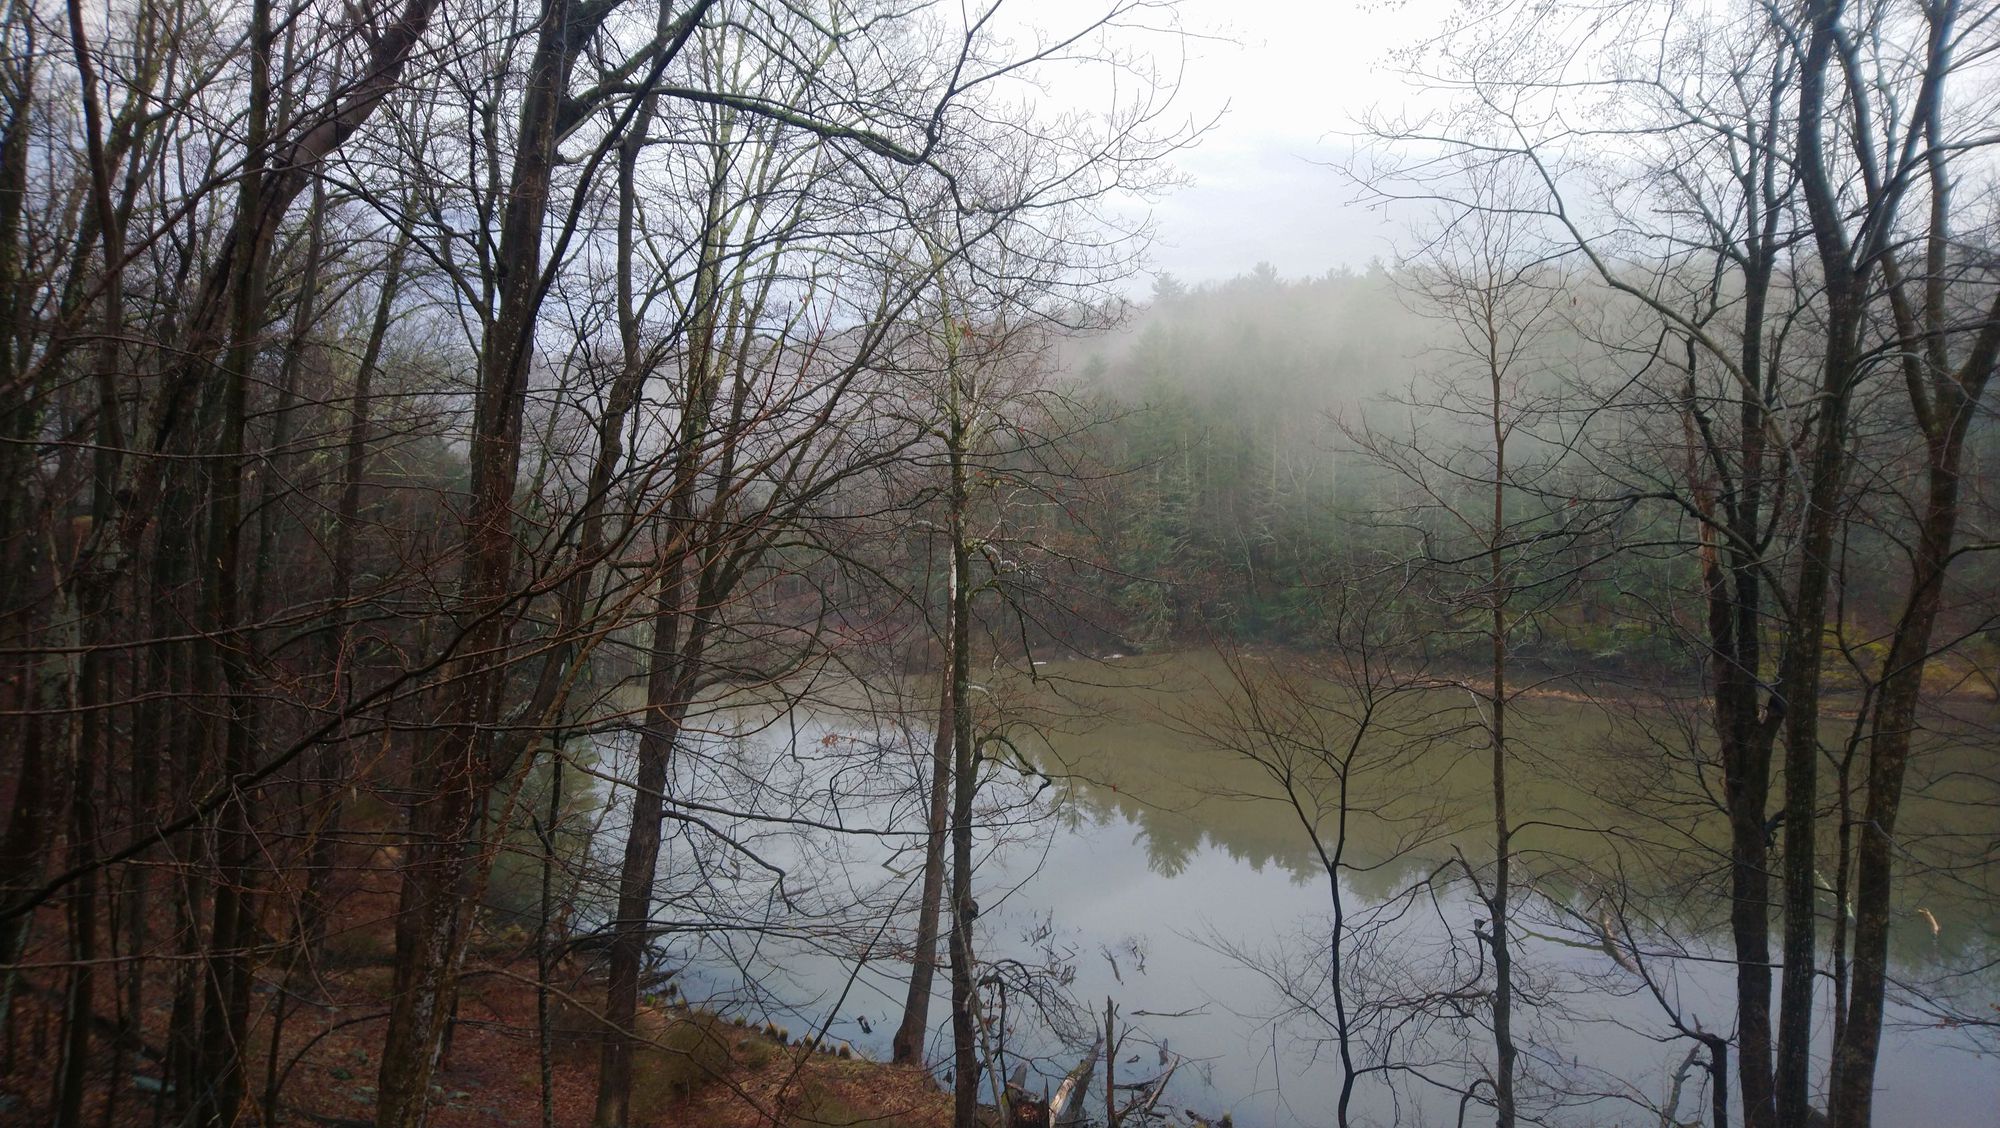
<point x="455" y="769"/>
<point x="907" y="1047"/>
<point x="1952" y="404"/>
<point x="675" y="660"/>
<point x="964" y="1035"/>
<point x="1504" y="1051"/>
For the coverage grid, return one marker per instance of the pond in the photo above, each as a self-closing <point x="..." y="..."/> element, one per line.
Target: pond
<point x="1132" y="850"/>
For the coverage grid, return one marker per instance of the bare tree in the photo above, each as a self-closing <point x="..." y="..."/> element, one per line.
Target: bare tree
<point x="1333" y="737"/>
<point x="1774" y="276"/>
<point x="1484" y="274"/>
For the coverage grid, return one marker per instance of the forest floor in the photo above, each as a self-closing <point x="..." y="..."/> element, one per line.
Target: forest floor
<point x="692" y="1066"/>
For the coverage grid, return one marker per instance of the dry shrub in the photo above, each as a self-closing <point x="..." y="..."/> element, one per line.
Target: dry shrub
<point x="677" y="1062"/>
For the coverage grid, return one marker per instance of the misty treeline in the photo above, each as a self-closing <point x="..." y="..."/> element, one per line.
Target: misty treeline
<point x="416" y="418"/>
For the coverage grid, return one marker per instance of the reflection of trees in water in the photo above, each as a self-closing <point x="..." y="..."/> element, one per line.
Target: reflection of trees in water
<point x="1654" y="829"/>
<point x="1623" y="850"/>
<point x="1414" y="958"/>
<point x="1663" y="888"/>
<point x="1950" y="916"/>
<point x="1172" y="837"/>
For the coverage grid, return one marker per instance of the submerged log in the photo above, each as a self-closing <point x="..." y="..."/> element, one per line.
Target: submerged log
<point x="1066" y="1107"/>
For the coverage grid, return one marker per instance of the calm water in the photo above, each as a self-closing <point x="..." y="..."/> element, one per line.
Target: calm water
<point x="1146" y="858"/>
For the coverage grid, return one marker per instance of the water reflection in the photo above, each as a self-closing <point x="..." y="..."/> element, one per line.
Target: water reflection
<point x="1176" y="878"/>
<point x="1590" y="810"/>
<point x="1624" y="860"/>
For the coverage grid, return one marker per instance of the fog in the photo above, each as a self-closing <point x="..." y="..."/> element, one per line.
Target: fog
<point x="1148" y="564"/>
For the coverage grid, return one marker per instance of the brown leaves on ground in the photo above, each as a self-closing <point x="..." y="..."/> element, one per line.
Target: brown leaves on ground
<point x="693" y="1067"/>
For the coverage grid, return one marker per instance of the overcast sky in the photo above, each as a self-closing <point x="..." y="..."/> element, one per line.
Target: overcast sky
<point x="1294" y="75"/>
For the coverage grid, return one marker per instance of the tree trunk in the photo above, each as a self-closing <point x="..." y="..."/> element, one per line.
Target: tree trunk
<point x="1734" y="596"/>
<point x="455" y="769"/>
<point x="667" y="691"/>
<point x="1853" y="1086"/>
<point x="1799" y="683"/>
<point x="1504" y="1051"/>
<point x="964" y="1036"/>
<point x="1953" y="402"/>
<point x="1825" y="464"/>
<point x="908" y="1044"/>
<point x="675" y="662"/>
<point x="222" y="650"/>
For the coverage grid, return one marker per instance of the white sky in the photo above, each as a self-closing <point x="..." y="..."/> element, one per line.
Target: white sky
<point x="1294" y="75"/>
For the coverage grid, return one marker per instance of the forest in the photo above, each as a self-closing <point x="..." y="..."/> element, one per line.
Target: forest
<point x="619" y="562"/>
